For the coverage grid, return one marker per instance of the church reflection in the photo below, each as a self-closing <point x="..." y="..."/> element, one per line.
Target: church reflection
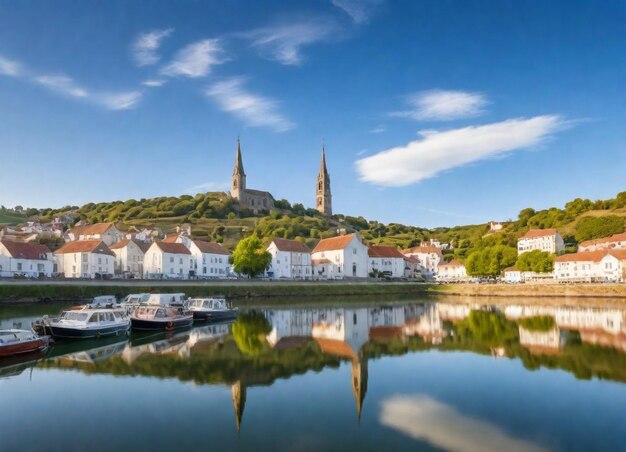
<point x="265" y="345"/>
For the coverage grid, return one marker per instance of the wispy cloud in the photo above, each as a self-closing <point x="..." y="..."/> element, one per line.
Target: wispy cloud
<point x="439" y="151"/>
<point x="146" y="45"/>
<point x="196" y="59"/>
<point x="449" y="214"/>
<point x="118" y="101"/>
<point x="9" y="67"/>
<point x="153" y="83"/>
<point x="283" y="43"/>
<point x="425" y="419"/>
<point x="378" y="129"/>
<point x="207" y="186"/>
<point x="359" y="10"/>
<point x="440" y="105"/>
<point x="253" y="109"/>
<point x="63" y="84"/>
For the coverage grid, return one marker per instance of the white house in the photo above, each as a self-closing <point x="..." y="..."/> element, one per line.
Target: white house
<point x="541" y="239"/>
<point x="386" y="260"/>
<point x="31" y="259"/>
<point x="495" y="226"/>
<point x="512" y="275"/>
<point x="85" y="258"/>
<point x="615" y="242"/>
<point x="340" y="257"/>
<point x="129" y="254"/>
<point x="167" y="259"/>
<point x="209" y="259"/>
<point x="107" y="232"/>
<point x="601" y="265"/>
<point x="412" y="267"/>
<point x="453" y="271"/>
<point x="290" y="259"/>
<point x="429" y="257"/>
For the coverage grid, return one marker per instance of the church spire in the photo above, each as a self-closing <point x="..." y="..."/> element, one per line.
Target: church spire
<point x="323" y="169"/>
<point x="323" y="198"/>
<point x="239" y="161"/>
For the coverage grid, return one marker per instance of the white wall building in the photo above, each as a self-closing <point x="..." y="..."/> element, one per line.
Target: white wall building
<point x="209" y="259"/>
<point x="512" y="275"/>
<point x="129" y="255"/>
<point x="170" y="260"/>
<point x="107" y="232"/>
<point x="290" y="259"/>
<point x="615" y="242"/>
<point x="602" y="265"/>
<point x="453" y="271"/>
<point x="541" y="239"/>
<point x="429" y="257"/>
<point x="31" y="259"/>
<point x="85" y="259"/>
<point x="340" y="257"/>
<point x="386" y="260"/>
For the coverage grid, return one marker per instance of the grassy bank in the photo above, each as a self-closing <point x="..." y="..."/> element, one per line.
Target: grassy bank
<point x="533" y="290"/>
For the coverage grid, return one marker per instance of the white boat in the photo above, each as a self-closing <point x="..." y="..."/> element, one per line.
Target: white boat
<point x="88" y="322"/>
<point x="166" y="299"/>
<point x="14" y="342"/>
<point x="165" y="318"/>
<point x="211" y="309"/>
<point x="103" y="301"/>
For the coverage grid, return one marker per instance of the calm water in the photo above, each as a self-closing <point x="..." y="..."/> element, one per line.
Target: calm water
<point x="411" y="376"/>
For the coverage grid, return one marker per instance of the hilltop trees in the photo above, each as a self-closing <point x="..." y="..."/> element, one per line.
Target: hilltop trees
<point x="595" y="227"/>
<point x="250" y="257"/>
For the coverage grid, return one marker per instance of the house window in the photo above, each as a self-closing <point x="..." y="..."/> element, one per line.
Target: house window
<point x="19" y="266"/>
<point x="171" y="259"/>
<point x="181" y="261"/>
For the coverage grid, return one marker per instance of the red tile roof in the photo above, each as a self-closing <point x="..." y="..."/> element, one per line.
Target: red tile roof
<point x="173" y="248"/>
<point x="123" y="243"/>
<point x="211" y="248"/>
<point x="452" y="263"/>
<point x="333" y="243"/>
<point x="537" y="233"/>
<point x="170" y="238"/>
<point x="336" y="348"/>
<point x="384" y="251"/>
<point x="614" y="238"/>
<point x="292" y="246"/>
<point x="585" y="256"/>
<point x="85" y="246"/>
<point x="422" y="249"/>
<point x="411" y="259"/>
<point x="26" y="250"/>
<point x="90" y="229"/>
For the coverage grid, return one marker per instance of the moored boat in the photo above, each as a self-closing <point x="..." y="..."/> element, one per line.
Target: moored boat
<point x="88" y="322"/>
<point x="15" y="342"/>
<point x="214" y="309"/>
<point x="150" y="318"/>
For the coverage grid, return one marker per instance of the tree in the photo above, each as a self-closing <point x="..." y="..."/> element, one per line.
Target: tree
<point x="536" y="261"/>
<point x="250" y="257"/>
<point x="490" y="261"/>
<point x="249" y="331"/>
<point x="597" y="227"/>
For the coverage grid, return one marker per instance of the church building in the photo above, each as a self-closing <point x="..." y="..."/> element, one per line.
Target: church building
<point x="323" y="198"/>
<point x="254" y="200"/>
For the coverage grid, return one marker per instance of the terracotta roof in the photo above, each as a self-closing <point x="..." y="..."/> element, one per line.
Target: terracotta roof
<point x="85" y="246"/>
<point x="211" y="248"/>
<point x="320" y="261"/>
<point x="292" y="246"/>
<point x="173" y="248"/>
<point x="452" y="263"/>
<point x="288" y="342"/>
<point x="119" y="245"/>
<point x="411" y="259"/>
<point x="536" y="233"/>
<point x="25" y="250"/>
<point x="123" y="243"/>
<point x="585" y="256"/>
<point x="614" y="238"/>
<point x="336" y="348"/>
<point x="384" y="251"/>
<point x="510" y="269"/>
<point x="422" y="249"/>
<point x="170" y="238"/>
<point x="333" y="243"/>
<point x="90" y="229"/>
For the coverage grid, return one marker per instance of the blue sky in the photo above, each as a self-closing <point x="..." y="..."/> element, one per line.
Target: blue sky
<point x="433" y="113"/>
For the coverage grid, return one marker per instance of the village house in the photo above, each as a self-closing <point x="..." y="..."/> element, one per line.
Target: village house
<point x="290" y="259"/>
<point x="495" y="226"/>
<point x="512" y="275"/>
<point x="16" y="235"/>
<point x="412" y="268"/>
<point x="615" y="242"/>
<point x="22" y="258"/>
<point x="107" y="232"/>
<point x="453" y="271"/>
<point x="208" y="260"/>
<point x="85" y="259"/>
<point x="591" y="266"/>
<point x="541" y="239"/>
<point x="340" y="257"/>
<point x="429" y="257"/>
<point x="165" y="259"/>
<point x="386" y="260"/>
<point x="129" y="254"/>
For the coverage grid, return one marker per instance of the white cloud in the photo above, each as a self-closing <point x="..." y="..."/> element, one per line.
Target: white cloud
<point x="425" y="419"/>
<point x="146" y="45"/>
<point x="359" y="10"/>
<point x="153" y="83"/>
<point x="283" y="43"/>
<point x="440" y="105"/>
<point x="208" y="186"/>
<point x="378" y="129"/>
<point x="196" y="60"/>
<point x="63" y="84"/>
<point x="253" y="109"/>
<point x="439" y="151"/>
<point x="118" y="101"/>
<point x="9" y="67"/>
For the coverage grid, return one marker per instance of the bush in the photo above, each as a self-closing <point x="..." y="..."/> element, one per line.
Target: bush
<point x="589" y="228"/>
<point x="536" y="261"/>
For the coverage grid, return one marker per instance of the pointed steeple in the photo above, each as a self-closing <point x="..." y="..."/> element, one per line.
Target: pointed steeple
<point x="238" y="391"/>
<point x="359" y="374"/>
<point x="323" y="169"/>
<point x="323" y="197"/>
<point x="239" y="161"/>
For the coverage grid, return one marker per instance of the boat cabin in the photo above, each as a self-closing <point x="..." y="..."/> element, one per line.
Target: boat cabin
<point x="166" y="299"/>
<point x="91" y="316"/>
<point x="103" y="301"/>
<point x="156" y="312"/>
<point x="213" y="304"/>
<point x="136" y="298"/>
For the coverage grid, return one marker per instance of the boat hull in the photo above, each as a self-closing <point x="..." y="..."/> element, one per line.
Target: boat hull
<point x="62" y="332"/>
<point x="215" y="316"/>
<point x="35" y="345"/>
<point x="161" y="324"/>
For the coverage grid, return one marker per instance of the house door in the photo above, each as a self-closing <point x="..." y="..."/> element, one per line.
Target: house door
<point x="354" y="269"/>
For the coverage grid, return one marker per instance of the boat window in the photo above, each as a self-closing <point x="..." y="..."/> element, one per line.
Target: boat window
<point x="94" y="318"/>
<point x="79" y="316"/>
<point x="109" y="316"/>
<point x="160" y="313"/>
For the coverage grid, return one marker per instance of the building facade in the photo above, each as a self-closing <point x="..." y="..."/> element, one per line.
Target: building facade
<point x="129" y="254"/>
<point x="23" y="258"/>
<point x="323" y="196"/>
<point x="167" y="260"/>
<point x="85" y="259"/>
<point x="254" y="200"/>
<point x="340" y="257"/>
<point x="107" y="232"/>
<point x="591" y="266"/>
<point x="453" y="271"/>
<point x="208" y="260"/>
<point x="386" y="261"/>
<point x="548" y="240"/>
<point x="429" y="257"/>
<point x="614" y="242"/>
<point x="290" y="259"/>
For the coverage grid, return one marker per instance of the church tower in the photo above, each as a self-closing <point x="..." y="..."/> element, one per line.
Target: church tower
<point x="238" y="185"/>
<point x="359" y="374"/>
<point x="323" y="198"/>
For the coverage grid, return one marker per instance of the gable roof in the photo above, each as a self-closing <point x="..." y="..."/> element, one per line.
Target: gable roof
<point x="614" y="238"/>
<point x="537" y="233"/>
<point x="26" y="250"/>
<point x="90" y="229"/>
<point x="211" y="248"/>
<point x="124" y="243"/>
<point x="333" y="243"/>
<point x="384" y="251"/>
<point x="510" y="270"/>
<point x="290" y="245"/>
<point x="170" y="238"/>
<point x="584" y="256"/>
<point x="85" y="246"/>
<point x="411" y="259"/>
<point x="173" y="248"/>
<point x="422" y="249"/>
<point x="452" y="263"/>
